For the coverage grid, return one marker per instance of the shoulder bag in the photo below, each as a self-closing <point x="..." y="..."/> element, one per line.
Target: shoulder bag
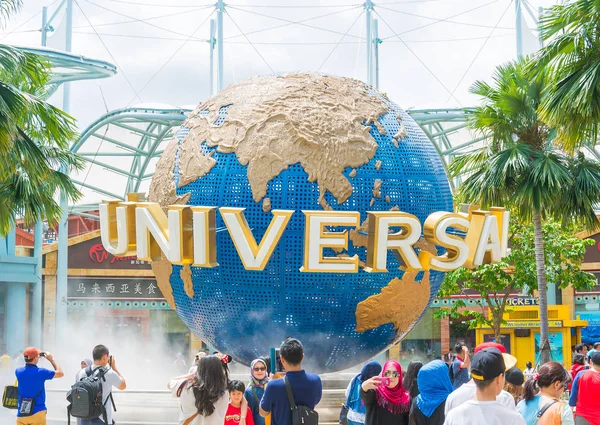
<point x="10" y="398"/>
<point x="301" y="415"/>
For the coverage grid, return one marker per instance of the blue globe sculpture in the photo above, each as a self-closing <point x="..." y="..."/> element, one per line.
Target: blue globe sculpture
<point x="300" y="142"/>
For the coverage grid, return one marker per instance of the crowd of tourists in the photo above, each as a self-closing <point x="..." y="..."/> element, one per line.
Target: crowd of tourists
<point x="485" y="388"/>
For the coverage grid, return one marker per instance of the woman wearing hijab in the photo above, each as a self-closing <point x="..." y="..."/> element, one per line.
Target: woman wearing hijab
<point x="435" y="387"/>
<point x="386" y="400"/>
<point x="256" y="388"/>
<point x="356" y="407"/>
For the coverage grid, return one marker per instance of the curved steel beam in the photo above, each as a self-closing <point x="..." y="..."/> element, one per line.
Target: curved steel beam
<point x="148" y="126"/>
<point x="69" y="67"/>
<point x="158" y="123"/>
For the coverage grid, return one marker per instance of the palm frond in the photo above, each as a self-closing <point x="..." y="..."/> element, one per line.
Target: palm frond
<point x="7" y="8"/>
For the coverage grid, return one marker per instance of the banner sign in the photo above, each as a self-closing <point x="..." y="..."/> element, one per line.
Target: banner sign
<point x="110" y="288"/>
<point x="519" y="301"/>
<point x="92" y="255"/>
<point x="532" y="324"/>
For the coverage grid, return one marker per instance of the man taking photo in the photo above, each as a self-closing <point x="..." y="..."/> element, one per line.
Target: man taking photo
<point x="31" y="383"/>
<point x="306" y="387"/>
<point x="106" y="367"/>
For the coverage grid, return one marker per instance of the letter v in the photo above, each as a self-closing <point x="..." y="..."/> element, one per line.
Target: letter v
<point x="253" y="256"/>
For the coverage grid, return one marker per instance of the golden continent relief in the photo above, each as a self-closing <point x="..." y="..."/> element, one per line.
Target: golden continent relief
<point x="400" y="303"/>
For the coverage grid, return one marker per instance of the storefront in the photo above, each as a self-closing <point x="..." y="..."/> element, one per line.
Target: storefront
<point x="587" y="303"/>
<point x="115" y="300"/>
<point x="521" y="336"/>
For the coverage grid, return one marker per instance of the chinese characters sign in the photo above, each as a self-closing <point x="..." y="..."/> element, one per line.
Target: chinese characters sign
<point x="110" y="288"/>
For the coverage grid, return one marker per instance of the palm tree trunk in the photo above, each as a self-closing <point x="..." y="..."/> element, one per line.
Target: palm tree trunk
<point x="540" y="267"/>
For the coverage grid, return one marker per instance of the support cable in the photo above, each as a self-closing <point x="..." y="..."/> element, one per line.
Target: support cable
<point x="130" y="21"/>
<point x="444" y="19"/>
<point x="331" y="43"/>
<point x="25" y="23"/>
<point x="253" y="46"/>
<point x="301" y="23"/>
<point x="172" y="56"/>
<point x="191" y="6"/>
<point x="290" y="23"/>
<point x="143" y="36"/>
<point x="417" y="57"/>
<point x="341" y="39"/>
<point x="447" y="21"/>
<point x="362" y="27"/>
<point x="412" y="2"/>
<point x="136" y="19"/>
<point x="479" y="52"/>
<point x="91" y="163"/>
<point x="290" y="6"/>
<point x="108" y="51"/>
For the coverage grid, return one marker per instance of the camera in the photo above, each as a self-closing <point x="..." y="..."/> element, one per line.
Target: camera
<point x="43" y="354"/>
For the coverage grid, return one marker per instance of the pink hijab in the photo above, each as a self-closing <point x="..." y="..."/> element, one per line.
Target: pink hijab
<point x="396" y="400"/>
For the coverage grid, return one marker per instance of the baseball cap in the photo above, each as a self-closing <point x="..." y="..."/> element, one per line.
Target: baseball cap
<point x="515" y="376"/>
<point x="31" y="353"/>
<point x="509" y="361"/>
<point x="596" y="358"/>
<point x="490" y="345"/>
<point x="487" y="364"/>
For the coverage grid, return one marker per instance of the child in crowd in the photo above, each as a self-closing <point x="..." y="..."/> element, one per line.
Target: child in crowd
<point x="234" y="410"/>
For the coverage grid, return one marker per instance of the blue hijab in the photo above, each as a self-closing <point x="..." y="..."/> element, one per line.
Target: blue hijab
<point x="368" y="371"/>
<point x="434" y="385"/>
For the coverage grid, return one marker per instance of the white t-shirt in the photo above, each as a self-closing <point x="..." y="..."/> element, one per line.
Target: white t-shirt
<point x="187" y="402"/>
<point x="483" y="412"/>
<point x="529" y="373"/>
<point x="111" y="379"/>
<point x="467" y="391"/>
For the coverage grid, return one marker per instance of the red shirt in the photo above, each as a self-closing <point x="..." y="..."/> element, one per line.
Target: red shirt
<point x="232" y="417"/>
<point x="588" y="403"/>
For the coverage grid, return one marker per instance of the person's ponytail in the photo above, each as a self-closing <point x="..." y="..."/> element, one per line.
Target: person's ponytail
<point x="531" y="389"/>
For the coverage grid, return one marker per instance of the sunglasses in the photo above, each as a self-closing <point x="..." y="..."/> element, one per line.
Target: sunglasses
<point x="391" y="374"/>
<point x="260" y="369"/>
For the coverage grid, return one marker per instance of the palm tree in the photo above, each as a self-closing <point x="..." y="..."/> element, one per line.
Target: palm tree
<point x="522" y="168"/>
<point x="34" y="139"/>
<point x="572" y="101"/>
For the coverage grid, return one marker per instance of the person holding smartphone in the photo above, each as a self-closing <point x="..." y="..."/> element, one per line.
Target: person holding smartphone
<point x="386" y="400"/>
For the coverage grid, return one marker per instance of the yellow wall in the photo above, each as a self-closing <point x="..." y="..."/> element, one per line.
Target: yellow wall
<point x="523" y="348"/>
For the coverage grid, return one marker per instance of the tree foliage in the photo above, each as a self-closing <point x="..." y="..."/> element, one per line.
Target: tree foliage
<point x="571" y="35"/>
<point x="34" y="140"/>
<point x="523" y="168"/>
<point x="516" y="274"/>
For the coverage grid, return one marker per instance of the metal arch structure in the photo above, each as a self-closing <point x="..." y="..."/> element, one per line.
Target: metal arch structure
<point x="153" y="124"/>
<point x="67" y="67"/>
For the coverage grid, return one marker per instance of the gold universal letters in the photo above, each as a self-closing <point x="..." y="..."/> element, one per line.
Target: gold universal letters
<point x="186" y="235"/>
<point x="316" y="238"/>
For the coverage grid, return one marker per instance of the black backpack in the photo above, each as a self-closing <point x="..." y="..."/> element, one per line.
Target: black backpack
<point x="85" y="397"/>
<point x="451" y="372"/>
<point x="301" y="415"/>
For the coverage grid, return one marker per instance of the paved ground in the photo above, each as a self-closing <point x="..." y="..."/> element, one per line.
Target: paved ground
<point x="160" y="408"/>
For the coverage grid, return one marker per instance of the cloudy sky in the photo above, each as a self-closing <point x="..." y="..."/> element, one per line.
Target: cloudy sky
<point x="431" y="53"/>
